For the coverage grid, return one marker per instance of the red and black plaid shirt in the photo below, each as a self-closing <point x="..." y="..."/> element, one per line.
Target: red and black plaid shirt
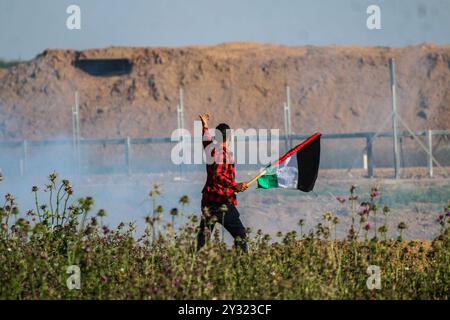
<point x="220" y="186"/>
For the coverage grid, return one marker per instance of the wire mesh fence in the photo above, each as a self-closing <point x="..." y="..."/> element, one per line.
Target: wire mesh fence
<point x="347" y="151"/>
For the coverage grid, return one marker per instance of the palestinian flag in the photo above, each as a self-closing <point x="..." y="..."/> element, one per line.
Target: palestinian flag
<point x="297" y="169"/>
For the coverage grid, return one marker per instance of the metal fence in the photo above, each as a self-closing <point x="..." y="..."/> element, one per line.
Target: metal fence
<point x="367" y="150"/>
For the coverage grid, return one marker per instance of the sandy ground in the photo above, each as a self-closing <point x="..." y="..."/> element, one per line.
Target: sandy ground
<point x="333" y="89"/>
<point x="415" y="201"/>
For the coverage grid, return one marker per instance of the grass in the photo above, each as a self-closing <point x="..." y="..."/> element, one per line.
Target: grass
<point x="394" y="196"/>
<point x="37" y="248"/>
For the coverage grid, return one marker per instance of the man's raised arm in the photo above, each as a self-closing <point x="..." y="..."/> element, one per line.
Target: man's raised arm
<point x="206" y="137"/>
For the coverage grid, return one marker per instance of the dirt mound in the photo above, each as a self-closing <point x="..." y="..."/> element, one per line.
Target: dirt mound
<point x="333" y="89"/>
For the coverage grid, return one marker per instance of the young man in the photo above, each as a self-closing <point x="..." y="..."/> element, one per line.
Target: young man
<point x="219" y="193"/>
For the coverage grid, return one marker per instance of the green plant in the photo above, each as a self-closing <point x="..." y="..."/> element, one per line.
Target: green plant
<point x="37" y="247"/>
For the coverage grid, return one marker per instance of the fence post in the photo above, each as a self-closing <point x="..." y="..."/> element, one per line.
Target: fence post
<point x="180" y="118"/>
<point x="76" y="132"/>
<point x="288" y="110"/>
<point x="127" y="154"/>
<point x="430" y="152"/>
<point x="369" y="145"/>
<point x="286" y="130"/>
<point x="394" y="118"/>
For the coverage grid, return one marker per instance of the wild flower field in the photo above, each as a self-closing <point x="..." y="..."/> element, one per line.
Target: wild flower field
<point x="37" y="247"/>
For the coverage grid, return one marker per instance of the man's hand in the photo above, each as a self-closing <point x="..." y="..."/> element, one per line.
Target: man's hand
<point x="204" y="118"/>
<point x="241" y="187"/>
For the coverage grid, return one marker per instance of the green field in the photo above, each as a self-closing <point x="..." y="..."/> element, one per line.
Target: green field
<point x="37" y="247"/>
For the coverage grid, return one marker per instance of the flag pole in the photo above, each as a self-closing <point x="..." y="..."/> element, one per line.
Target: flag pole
<point x="255" y="178"/>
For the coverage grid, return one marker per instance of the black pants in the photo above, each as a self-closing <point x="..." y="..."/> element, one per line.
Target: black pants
<point x="229" y="216"/>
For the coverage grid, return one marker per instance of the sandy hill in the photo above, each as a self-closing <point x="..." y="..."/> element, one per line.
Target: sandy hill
<point x="333" y="89"/>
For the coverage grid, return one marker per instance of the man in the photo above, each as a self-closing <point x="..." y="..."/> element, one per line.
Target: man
<point x="219" y="193"/>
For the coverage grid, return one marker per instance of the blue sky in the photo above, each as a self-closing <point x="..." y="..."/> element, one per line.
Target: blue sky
<point x="27" y="27"/>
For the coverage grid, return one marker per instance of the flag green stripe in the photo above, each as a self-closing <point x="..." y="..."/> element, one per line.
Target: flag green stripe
<point x="268" y="181"/>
